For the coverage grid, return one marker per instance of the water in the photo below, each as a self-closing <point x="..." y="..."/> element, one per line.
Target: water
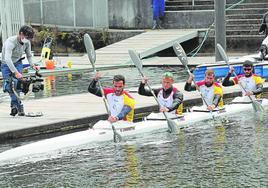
<point x="207" y="154"/>
<point x="233" y="154"/>
<point x="78" y="82"/>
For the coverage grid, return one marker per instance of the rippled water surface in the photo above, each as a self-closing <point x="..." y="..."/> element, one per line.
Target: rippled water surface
<point x="207" y="154"/>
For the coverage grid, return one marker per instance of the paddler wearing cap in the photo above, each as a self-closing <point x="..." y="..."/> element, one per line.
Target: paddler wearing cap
<point x="169" y="97"/>
<point x="252" y="83"/>
<point x="211" y="90"/>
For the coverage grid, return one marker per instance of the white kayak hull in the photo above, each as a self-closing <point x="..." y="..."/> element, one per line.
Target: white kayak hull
<point x="102" y="131"/>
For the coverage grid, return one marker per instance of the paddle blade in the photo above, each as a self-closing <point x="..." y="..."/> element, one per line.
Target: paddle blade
<point x="135" y="59"/>
<point x="172" y="126"/>
<point x="222" y="53"/>
<point x="90" y="49"/>
<point x="117" y="136"/>
<point x="257" y="106"/>
<point x="180" y="53"/>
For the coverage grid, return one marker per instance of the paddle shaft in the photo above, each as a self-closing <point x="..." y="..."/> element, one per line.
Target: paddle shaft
<point x="196" y="86"/>
<point x="102" y="93"/>
<point x="106" y="106"/>
<point x="183" y="59"/>
<point x="138" y="63"/>
<point x="224" y="56"/>
<point x="152" y="93"/>
<point x="92" y="58"/>
<point x="242" y="87"/>
<point x="256" y="106"/>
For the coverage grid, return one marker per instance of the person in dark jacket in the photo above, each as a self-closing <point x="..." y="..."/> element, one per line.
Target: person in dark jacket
<point x="169" y="97"/>
<point x="210" y="90"/>
<point x="250" y="81"/>
<point x="120" y="102"/>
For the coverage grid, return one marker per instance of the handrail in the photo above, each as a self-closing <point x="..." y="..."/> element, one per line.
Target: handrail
<point x="197" y="49"/>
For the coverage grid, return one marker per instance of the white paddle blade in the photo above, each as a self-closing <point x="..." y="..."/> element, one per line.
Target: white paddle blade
<point x="257" y="106"/>
<point x="117" y="136"/>
<point x="135" y="59"/>
<point x="90" y="49"/>
<point x="180" y="53"/>
<point x="222" y="53"/>
<point x="172" y="126"/>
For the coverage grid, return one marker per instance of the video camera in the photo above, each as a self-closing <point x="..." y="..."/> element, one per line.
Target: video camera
<point x="31" y="83"/>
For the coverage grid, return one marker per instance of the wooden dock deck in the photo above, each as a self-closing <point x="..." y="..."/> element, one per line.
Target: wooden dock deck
<point x="146" y="44"/>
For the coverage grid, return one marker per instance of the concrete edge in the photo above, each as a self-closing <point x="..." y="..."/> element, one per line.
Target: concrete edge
<point x="86" y="122"/>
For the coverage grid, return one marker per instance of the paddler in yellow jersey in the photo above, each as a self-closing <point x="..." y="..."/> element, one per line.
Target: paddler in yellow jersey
<point x="120" y="103"/>
<point x="211" y="90"/>
<point x="250" y="81"/>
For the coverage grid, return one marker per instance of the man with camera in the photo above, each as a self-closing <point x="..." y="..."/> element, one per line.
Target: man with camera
<point x="11" y="67"/>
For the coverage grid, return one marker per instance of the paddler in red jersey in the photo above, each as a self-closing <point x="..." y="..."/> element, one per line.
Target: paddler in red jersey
<point x="120" y="103"/>
<point x="250" y="81"/>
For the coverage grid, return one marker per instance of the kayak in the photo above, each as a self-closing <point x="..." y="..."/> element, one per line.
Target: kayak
<point x="102" y="130"/>
<point x="221" y="69"/>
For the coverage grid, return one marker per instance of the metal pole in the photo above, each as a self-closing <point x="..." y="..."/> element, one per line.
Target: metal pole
<point x="93" y="13"/>
<point x="74" y="18"/>
<point x="220" y="26"/>
<point x="192" y="2"/>
<point x="41" y="12"/>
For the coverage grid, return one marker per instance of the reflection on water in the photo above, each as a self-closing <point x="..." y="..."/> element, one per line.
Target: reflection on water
<point x="229" y="154"/>
<point x="132" y="166"/>
<point x="232" y="153"/>
<point x="76" y="83"/>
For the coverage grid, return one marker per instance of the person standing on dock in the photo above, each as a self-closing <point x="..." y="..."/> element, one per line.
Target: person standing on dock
<point x="158" y="13"/>
<point x="12" y="51"/>
<point x="250" y="81"/>
<point x="120" y="102"/>
<point x="211" y="91"/>
<point x="263" y="50"/>
<point x="169" y="97"/>
<point x="264" y="26"/>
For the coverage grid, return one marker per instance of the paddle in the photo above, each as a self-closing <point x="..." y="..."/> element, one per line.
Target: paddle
<point x="183" y="59"/>
<point x="92" y="58"/>
<point x="256" y="105"/>
<point x="136" y="60"/>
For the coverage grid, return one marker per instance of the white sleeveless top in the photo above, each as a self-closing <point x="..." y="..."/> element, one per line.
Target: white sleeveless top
<point x="208" y="94"/>
<point x="165" y="102"/>
<point x="116" y="103"/>
<point x="248" y="83"/>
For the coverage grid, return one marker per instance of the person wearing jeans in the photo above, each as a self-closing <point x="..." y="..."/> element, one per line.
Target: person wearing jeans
<point x="11" y="67"/>
<point x="158" y="13"/>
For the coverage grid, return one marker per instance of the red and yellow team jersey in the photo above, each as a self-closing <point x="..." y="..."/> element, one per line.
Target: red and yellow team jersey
<point x="209" y="92"/>
<point x="116" y="103"/>
<point x="249" y="83"/>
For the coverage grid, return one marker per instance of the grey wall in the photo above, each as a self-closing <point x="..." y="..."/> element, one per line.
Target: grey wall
<point x="122" y="14"/>
<point x="130" y="14"/>
<point x="187" y="19"/>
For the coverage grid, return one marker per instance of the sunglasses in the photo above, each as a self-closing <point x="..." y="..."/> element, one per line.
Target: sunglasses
<point x="247" y="69"/>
